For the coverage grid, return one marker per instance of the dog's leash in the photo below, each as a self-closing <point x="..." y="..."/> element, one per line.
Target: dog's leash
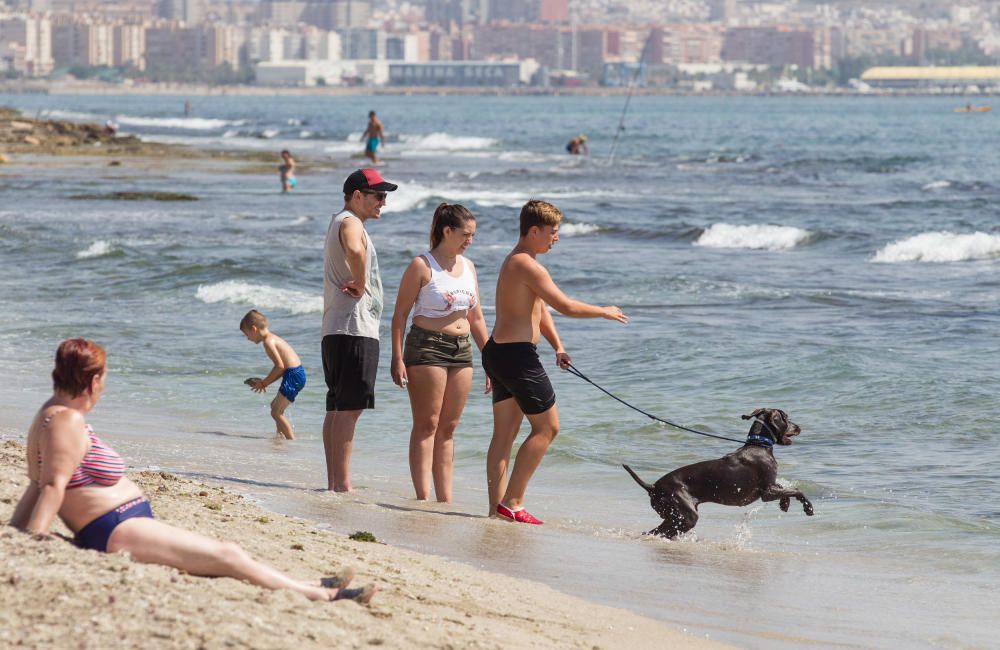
<point x="570" y="368"/>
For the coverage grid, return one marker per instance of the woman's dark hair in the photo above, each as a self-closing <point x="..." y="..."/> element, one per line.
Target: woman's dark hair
<point x="448" y="216"/>
<point x="78" y="361"/>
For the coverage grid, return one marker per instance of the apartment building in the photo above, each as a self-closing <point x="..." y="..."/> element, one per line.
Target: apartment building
<point x="129" y="46"/>
<point x="82" y="43"/>
<point x="26" y="42"/>
<point x="777" y="46"/>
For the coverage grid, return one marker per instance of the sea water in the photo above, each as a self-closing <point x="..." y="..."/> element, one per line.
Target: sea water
<point x="834" y="257"/>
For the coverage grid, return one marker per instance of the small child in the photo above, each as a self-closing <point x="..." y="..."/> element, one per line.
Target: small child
<point x="286" y="365"/>
<point x="286" y="171"/>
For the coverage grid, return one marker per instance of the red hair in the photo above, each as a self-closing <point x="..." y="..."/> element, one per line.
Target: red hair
<point x="78" y="361"/>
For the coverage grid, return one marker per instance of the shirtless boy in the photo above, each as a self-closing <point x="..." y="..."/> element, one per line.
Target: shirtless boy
<point x="372" y="137"/>
<point x="520" y="386"/>
<point x="287" y="367"/>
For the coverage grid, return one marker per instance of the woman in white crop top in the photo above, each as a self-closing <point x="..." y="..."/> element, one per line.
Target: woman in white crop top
<point x="434" y="361"/>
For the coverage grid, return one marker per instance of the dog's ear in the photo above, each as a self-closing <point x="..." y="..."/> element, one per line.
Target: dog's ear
<point x="753" y="415"/>
<point x="778" y="419"/>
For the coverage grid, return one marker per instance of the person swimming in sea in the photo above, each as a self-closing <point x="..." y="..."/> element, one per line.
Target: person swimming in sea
<point x="578" y="145"/>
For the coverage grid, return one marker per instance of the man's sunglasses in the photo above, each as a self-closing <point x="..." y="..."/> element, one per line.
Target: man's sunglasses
<point x="378" y="195"/>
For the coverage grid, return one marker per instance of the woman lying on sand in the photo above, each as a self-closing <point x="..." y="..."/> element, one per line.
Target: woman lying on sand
<point x="75" y="475"/>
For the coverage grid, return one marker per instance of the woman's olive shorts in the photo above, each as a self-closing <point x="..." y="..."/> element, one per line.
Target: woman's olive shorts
<point x="428" y="348"/>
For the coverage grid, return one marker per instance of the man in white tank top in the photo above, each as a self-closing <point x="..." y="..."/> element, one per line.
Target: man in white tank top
<point x="352" y="308"/>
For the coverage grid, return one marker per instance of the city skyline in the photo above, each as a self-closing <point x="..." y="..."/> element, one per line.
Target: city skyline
<point x="553" y="42"/>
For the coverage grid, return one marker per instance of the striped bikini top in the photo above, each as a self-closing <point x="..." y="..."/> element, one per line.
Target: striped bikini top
<point x="101" y="465"/>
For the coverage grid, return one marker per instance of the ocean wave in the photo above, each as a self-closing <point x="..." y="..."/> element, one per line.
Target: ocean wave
<point x="73" y="116"/>
<point x="445" y="142"/>
<point x="187" y="123"/>
<point x="936" y="185"/>
<point x="941" y="246"/>
<point x="99" y="248"/>
<point x="260" y="296"/>
<point x="574" y="229"/>
<point x="412" y="196"/>
<point x="754" y="236"/>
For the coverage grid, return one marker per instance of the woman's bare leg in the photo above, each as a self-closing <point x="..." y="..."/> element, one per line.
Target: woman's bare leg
<point x="155" y="542"/>
<point x="455" y="393"/>
<point x="426" y="388"/>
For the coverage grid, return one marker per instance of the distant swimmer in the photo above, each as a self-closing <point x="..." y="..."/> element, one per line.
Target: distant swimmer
<point x="578" y="145"/>
<point x="372" y="137"/>
<point x="286" y="170"/>
<point x="187" y="108"/>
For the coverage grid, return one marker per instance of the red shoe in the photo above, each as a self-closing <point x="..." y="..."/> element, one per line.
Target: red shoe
<point x="521" y="516"/>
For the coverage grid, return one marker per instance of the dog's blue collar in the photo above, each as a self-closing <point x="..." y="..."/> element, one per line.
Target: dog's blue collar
<point x="759" y="441"/>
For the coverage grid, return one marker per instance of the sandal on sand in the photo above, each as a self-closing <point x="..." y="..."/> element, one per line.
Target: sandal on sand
<point x="361" y="596"/>
<point x="338" y="580"/>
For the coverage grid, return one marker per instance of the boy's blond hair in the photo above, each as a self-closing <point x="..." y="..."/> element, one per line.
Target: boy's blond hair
<point x="254" y="318"/>
<point x="539" y="213"/>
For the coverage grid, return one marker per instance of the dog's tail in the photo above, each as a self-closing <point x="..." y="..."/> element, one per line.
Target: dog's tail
<point x="646" y="486"/>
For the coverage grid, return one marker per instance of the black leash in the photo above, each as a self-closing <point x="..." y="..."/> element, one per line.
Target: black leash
<point x="572" y="370"/>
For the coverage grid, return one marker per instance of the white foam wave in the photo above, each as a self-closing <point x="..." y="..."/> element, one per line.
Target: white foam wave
<point x="414" y="195"/>
<point x="299" y="221"/>
<point x="260" y="296"/>
<point x="754" y="236"/>
<point x="936" y="185"/>
<point x="941" y="246"/>
<point x="573" y="229"/>
<point x="445" y="142"/>
<point x="188" y="123"/>
<point x="99" y="248"/>
<point x="73" y="116"/>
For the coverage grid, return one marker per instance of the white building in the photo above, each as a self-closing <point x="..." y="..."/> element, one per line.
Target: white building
<point x="27" y="41"/>
<point x="315" y="73"/>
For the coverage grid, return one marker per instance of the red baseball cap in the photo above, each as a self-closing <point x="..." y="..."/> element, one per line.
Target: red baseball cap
<point x="367" y="179"/>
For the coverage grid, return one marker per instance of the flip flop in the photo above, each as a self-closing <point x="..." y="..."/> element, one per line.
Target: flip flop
<point x="338" y="580"/>
<point x="361" y="596"/>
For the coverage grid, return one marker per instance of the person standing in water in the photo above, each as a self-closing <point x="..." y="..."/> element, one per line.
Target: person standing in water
<point x="435" y="364"/>
<point x="286" y="171"/>
<point x="372" y="137"/>
<point x="521" y="388"/>
<point x="352" y="308"/>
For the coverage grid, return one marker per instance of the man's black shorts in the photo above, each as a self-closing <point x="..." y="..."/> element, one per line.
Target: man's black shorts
<point x="516" y="371"/>
<point x="349" y="366"/>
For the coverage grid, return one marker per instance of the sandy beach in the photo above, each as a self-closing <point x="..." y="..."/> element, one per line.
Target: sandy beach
<point x="51" y="591"/>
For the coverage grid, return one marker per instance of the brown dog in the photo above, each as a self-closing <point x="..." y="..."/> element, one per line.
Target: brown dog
<point x="736" y="479"/>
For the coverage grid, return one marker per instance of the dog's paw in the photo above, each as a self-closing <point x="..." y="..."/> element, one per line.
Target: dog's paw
<point x="808" y="508"/>
<point x="784" y="503"/>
